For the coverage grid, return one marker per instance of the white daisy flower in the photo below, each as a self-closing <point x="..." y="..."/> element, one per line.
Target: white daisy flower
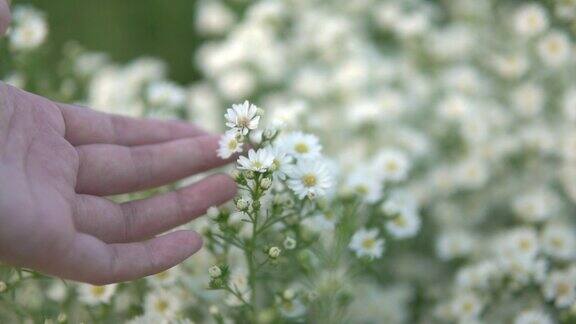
<point x="560" y="287"/>
<point x="392" y="165"/>
<point x="309" y="178"/>
<point x="530" y="19"/>
<point x="242" y="117"/>
<point x="363" y="182"/>
<point x="533" y="316"/>
<point x="405" y="224"/>
<point x="300" y="145"/>
<point x="454" y="244"/>
<point x="164" y="94"/>
<point x="511" y="66"/>
<point x="229" y="145"/>
<point x="162" y="303"/>
<point x="477" y="275"/>
<point x="281" y="163"/>
<point x="402" y="208"/>
<point x="94" y="295"/>
<point x="559" y="241"/>
<point x="257" y="161"/>
<point x="554" y="48"/>
<point x="30" y="28"/>
<point x="520" y="243"/>
<point x="528" y="99"/>
<point x="536" y="206"/>
<point x="292" y="308"/>
<point x="366" y="243"/>
<point x="467" y="306"/>
<point x="58" y="291"/>
<point x="164" y="278"/>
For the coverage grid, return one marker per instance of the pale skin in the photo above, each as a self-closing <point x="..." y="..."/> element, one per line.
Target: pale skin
<point x="59" y="162"/>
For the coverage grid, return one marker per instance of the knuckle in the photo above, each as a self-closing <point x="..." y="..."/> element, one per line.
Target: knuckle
<point x="142" y="163"/>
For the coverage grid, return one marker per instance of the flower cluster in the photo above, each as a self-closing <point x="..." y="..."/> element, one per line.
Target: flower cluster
<point x="291" y="211"/>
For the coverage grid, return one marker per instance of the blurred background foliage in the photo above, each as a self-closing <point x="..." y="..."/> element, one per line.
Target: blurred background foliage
<point x="126" y="29"/>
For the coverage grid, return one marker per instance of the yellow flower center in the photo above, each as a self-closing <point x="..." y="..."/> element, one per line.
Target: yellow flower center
<point x="288" y="305"/>
<point x="562" y="288"/>
<point x="554" y="47"/>
<point x="400" y="221"/>
<point x="232" y="145"/>
<point x="243" y="121"/>
<point x="162" y="275"/>
<point x="391" y="166"/>
<point x="257" y="165"/>
<point x="533" y="21"/>
<point x="525" y="245"/>
<point x="98" y="291"/>
<point x="275" y="165"/>
<point x="368" y="243"/>
<point x="161" y="305"/>
<point x="301" y="148"/>
<point x="557" y="242"/>
<point x="362" y="189"/>
<point x="468" y="307"/>
<point x="309" y="180"/>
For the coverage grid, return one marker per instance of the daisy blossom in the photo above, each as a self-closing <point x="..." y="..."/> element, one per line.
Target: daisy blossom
<point x="257" y="161"/>
<point x="366" y="243"/>
<point x="93" y="295"/>
<point x="309" y="178"/>
<point x="242" y="117"/>
<point x="229" y="145"/>
<point x="300" y="144"/>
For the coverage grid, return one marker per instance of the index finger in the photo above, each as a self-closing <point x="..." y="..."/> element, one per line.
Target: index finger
<point x="87" y="126"/>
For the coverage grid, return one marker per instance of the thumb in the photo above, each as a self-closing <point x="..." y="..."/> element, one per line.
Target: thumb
<point x="4" y="16"/>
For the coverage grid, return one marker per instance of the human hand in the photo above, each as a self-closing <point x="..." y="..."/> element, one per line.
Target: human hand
<point x="56" y="163"/>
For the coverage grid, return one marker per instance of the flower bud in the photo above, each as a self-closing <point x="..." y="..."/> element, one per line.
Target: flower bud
<point x="266" y="183"/>
<point x="289" y="243"/>
<point x="235" y="174"/>
<point x="288" y="294"/>
<point x="269" y="133"/>
<point x="214" y="310"/>
<point x="256" y="137"/>
<point x="3" y="286"/>
<point x="214" y="271"/>
<point x="274" y="252"/>
<point x="241" y="204"/>
<point x="238" y="135"/>
<point x="213" y="213"/>
<point x="260" y="112"/>
<point x="249" y="174"/>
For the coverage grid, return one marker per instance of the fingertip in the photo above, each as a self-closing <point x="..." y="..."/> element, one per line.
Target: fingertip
<point x="188" y="240"/>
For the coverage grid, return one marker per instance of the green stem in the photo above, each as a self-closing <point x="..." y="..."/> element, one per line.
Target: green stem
<point x="250" y="252"/>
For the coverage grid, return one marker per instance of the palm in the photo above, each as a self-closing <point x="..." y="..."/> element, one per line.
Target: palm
<point x="57" y="164"/>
